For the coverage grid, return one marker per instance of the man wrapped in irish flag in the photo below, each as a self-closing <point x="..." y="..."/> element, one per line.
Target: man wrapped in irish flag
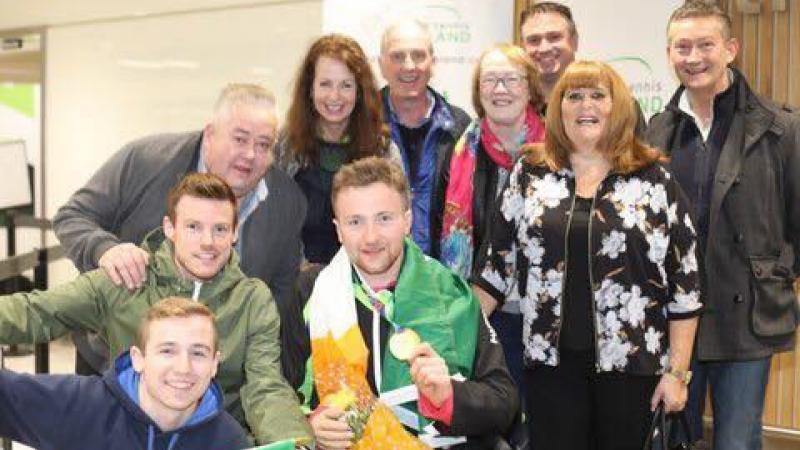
<point x="391" y="349"/>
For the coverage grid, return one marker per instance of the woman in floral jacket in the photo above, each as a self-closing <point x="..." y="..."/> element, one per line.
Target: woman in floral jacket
<point x="594" y="238"/>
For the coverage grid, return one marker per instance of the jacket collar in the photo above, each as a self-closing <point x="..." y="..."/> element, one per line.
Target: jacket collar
<point x="757" y="119"/>
<point x="751" y="120"/>
<point x="162" y="270"/>
<point x="441" y="116"/>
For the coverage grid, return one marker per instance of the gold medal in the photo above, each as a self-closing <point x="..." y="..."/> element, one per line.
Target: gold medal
<point x="402" y="343"/>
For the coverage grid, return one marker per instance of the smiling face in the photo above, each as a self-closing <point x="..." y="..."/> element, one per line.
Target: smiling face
<point x="503" y="89"/>
<point x="203" y="234"/>
<point x="176" y="367"/>
<point x="550" y="43"/>
<point x="699" y="53"/>
<point x="372" y="222"/>
<point x="406" y="61"/>
<point x="334" y="92"/>
<point x="238" y="145"/>
<point x="585" y="113"/>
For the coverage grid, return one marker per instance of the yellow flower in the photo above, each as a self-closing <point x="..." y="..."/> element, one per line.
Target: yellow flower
<point x="342" y="399"/>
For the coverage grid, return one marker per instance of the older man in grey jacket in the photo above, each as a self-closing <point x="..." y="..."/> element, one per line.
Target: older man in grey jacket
<point x="102" y="223"/>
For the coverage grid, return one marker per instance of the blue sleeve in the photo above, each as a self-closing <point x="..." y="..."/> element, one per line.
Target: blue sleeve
<point x="34" y="408"/>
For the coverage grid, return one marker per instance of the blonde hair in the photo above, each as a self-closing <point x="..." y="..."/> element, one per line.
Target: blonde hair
<point x="170" y="307"/>
<point x="368" y="171"/>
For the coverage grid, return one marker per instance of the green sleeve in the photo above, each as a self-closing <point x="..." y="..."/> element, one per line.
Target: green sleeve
<point x="271" y="407"/>
<point x="41" y="316"/>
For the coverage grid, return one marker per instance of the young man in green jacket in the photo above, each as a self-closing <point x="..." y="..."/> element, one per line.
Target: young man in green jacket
<point x="189" y="257"/>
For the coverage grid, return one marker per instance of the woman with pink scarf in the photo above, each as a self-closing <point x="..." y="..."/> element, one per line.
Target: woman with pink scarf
<point x="507" y="98"/>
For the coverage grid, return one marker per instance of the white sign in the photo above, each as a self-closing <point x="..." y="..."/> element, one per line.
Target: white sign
<point x="631" y="36"/>
<point x="461" y="31"/>
<point x="15" y="189"/>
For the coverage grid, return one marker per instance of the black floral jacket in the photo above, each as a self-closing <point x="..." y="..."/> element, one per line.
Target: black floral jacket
<point x="642" y="259"/>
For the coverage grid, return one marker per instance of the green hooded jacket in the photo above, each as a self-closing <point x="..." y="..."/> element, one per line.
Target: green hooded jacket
<point x="249" y="373"/>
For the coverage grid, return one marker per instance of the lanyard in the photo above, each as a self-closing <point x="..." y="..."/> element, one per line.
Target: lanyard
<point x="367" y="297"/>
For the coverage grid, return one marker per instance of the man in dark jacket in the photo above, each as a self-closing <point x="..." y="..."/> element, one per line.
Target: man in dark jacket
<point x="550" y="37"/>
<point x="421" y="122"/>
<point x="737" y="156"/>
<point x="159" y="395"/>
<point x="384" y="320"/>
<point x="103" y="222"/>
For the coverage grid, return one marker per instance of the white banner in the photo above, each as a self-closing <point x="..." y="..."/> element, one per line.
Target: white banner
<point x="461" y="31"/>
<point x="631" y="35"/>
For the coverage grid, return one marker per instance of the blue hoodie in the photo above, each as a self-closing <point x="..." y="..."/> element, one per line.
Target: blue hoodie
<point x="63" y="412"/>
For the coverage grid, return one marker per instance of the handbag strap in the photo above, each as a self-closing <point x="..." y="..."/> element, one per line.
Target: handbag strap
<point x="658" y="426"/>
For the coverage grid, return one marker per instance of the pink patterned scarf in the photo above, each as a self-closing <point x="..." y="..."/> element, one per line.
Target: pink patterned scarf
<point x="456" y="244"/>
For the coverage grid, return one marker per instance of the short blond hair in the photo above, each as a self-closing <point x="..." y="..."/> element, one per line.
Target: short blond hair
<point x="692" y="9"/>
<point x="367" y="171"/>
<point x="170" y="307"/>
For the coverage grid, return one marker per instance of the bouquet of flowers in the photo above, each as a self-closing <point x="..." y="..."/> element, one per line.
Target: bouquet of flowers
<point x="356" y="415"/>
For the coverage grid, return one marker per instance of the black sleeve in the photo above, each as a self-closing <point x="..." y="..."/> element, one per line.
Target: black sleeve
<point x="295" y="340"/>
<point x="495" y="268"/>
<point x="487" y="404"/>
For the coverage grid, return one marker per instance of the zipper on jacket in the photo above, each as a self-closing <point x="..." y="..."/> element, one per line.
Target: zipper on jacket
<point x="591" y="276"/>
<point x="566" y="266"/>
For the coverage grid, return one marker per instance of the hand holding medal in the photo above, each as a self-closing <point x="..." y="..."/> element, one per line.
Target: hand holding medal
<point x="428" y="370"/>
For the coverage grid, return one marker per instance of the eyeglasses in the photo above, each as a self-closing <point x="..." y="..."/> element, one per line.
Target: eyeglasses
<point x="511" y="81"/>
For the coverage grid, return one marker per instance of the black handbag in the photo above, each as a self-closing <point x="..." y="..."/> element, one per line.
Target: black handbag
<point x="668" y="431"/>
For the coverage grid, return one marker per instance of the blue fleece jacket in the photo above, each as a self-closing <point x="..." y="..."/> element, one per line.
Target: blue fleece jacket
<point x="64" y="412"/>
<point x="448" y="122"/>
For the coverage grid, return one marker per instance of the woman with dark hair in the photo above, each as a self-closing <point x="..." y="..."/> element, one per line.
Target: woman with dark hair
<point x="336" y="116"/>
<point x="594" y="237"/>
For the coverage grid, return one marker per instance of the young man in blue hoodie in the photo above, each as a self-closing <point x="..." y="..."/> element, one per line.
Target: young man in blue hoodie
<point x="159" y="395"/>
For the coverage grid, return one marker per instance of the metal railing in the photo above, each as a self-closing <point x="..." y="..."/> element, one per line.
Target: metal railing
<point x="15" y="265"/>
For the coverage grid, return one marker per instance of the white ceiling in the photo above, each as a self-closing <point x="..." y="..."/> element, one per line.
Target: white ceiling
<point x="15" y="14"/>
<point x="24" y="66"/>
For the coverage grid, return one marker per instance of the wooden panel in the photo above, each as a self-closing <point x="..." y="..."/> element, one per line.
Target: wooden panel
<point x="781" y="56"/>
<point x="765" y="44"/>
<point x="787" y="404"/>
<point x="737" y="27"/>
<point x="749" y="51"/>
<point x="796" y="388"/>
<point x="770" y="59"/>
<point x="794" y="53"/>
<point x="771" y="400"/>
<point x="519" y="6"/>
